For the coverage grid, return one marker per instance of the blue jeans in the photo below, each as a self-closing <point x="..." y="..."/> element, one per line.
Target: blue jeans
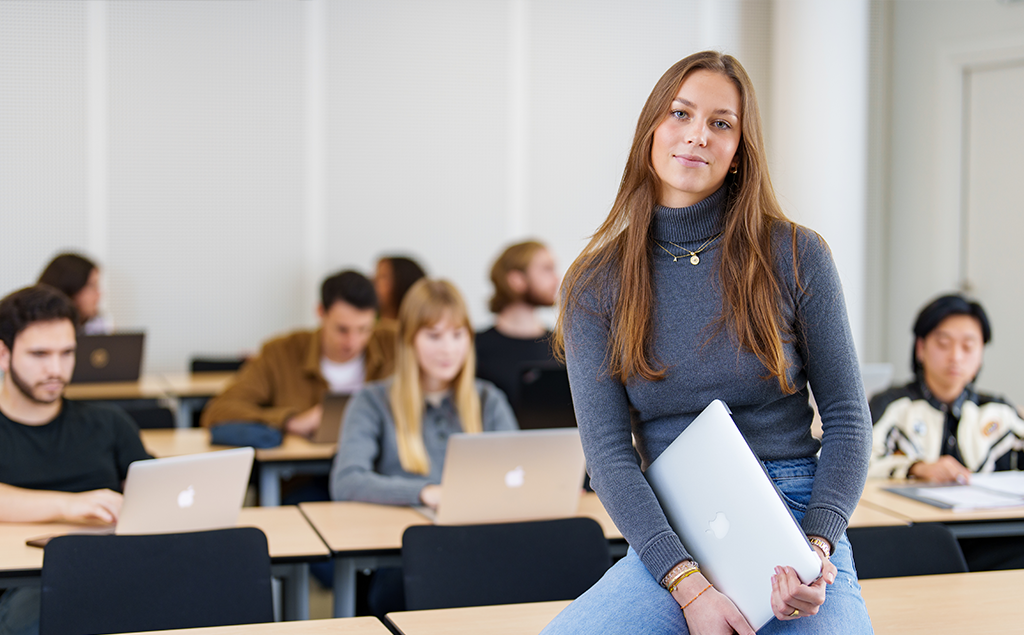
<point x="19" y="611"/>
<point x="629" y="600"/>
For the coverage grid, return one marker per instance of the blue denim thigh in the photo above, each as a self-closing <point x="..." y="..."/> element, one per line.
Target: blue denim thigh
<point x="843" y="610"/>
<point x="628" y="600"/>
<point x="625" y="600"/>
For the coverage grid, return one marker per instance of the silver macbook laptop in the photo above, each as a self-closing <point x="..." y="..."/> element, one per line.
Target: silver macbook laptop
<point x="196" y="492"/>
<point x="728" y="514"/>
<point x="115" y="357"/>
<point x="510" y="476"/>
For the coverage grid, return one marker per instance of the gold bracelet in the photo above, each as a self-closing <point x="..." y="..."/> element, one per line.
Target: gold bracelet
<point x="822" y="544"/>
<point x="675" y="583"/>
<point x="676" y="572"/>
<point x="695" y="597"/>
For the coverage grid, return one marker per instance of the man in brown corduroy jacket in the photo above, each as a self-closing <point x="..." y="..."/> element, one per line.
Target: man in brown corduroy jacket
<point x="281" y="389"/>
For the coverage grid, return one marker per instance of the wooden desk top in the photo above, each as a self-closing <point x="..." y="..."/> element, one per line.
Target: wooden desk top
<point x="867" y="516"/>
<point x="288" y="536"/>
<point x="166" y="442"/>
<point x="982" y="602"/>
<point x="148" y="387"/>
<point x="198" y="384"/>
<point x="340" y="626"/>
<point x="505" y="619"/>
<point x="915" y="511"/>
<point x="351" y="527"/>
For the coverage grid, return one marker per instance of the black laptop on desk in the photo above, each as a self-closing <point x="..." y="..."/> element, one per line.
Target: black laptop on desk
<point x="108" y="358"/>
<point x="545" y="400"/>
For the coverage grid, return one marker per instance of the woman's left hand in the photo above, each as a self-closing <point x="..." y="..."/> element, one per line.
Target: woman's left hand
<point x="792" y="599"/>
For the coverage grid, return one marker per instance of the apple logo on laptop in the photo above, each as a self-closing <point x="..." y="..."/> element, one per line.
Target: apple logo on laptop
<point x="719" y="526"/>
<point x="516" y="477"/>
<point x="187" y="497"/>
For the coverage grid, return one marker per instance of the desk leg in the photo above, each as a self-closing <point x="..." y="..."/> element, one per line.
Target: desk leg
<point x="270" y="485"/>
<point x="183" y="413"/>
<point x="295" y="578"/>
<point x="344" y="587"/>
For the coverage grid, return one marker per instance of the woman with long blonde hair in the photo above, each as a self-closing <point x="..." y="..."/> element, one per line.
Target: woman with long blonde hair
<point x="697" y="287"/>
<point x="395" y="432"/>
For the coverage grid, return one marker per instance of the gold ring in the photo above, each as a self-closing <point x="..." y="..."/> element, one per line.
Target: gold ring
<point x="795" y="613"/>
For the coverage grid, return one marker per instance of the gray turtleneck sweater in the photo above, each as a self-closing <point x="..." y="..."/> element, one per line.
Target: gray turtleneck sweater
<point x="704" y="364"/>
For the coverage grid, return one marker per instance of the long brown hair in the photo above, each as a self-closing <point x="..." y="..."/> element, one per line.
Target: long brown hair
<point x="427" y="303"/>
<point x="621" y="245"/>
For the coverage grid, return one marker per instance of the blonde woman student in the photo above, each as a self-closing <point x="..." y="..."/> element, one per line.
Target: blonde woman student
<point x="697" y="287"/>
<point x="395" y="432"/>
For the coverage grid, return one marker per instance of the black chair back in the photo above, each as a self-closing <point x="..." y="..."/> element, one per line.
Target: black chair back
<point x="892" y="552"/>
<point x="148" y="418"/>
<point x="508" y="563"/>
<point x="215" y="364"/>
<point x="117" y="584"/>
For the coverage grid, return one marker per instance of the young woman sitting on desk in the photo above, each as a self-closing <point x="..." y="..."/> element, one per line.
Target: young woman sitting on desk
<point x="395" y="433"/>
<point x="696" y="288"/>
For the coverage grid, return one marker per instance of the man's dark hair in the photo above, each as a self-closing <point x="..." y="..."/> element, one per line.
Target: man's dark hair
<point x="68" y="273"/>
<point x="405" y="272"/>
<point x="938" y="310"/>
<point x="350" y="287"/>
<point x="24" y="307"/>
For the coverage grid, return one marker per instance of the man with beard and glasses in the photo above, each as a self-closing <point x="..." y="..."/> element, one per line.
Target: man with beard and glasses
<point x="524" y="278"/>
<point x="59" y="460"/>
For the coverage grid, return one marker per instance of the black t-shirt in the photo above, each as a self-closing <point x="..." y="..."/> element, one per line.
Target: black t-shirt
<point x="85" y="447"/>
<point x="499" y="359"/>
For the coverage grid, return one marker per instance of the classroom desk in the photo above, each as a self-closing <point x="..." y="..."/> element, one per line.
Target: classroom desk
<point x="364" y="535"/>
<point x="292" y="543"/>
<point x="504" y="619"/>
<point x="986" y="602"/>
<point x="1008" y="521"/>
<point x="297" y="455"/>
<point x="980" y="602"/>
<point x="148" y="387"/>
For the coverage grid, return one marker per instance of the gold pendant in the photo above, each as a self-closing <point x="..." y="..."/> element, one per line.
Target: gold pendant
<point x="694" y="260"/>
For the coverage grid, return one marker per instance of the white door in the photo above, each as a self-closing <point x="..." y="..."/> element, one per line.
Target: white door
<point x="993" y="267"/>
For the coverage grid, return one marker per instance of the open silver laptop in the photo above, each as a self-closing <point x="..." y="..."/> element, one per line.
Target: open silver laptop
<point x="728" y="513"/>
<point x="510" y="476"/>
<point x="333" y="406"/>
<point x="196" y="492"/>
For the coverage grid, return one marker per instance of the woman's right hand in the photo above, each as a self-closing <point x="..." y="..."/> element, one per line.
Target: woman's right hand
<point x="430" y="496"/>
<point x="712" y="613"/>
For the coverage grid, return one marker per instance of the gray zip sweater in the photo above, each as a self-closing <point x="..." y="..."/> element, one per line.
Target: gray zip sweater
<point x="704" y="364"/>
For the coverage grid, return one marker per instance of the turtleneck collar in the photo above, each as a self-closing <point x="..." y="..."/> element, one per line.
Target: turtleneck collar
<point x="690" y="224"/>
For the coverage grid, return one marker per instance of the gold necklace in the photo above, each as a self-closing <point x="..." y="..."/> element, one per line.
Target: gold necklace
<point x="694" y="258"/>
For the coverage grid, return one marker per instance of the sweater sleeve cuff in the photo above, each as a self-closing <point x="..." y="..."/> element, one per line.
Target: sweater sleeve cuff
<point x="827" y="523"/>
<point x="662" y="554"/>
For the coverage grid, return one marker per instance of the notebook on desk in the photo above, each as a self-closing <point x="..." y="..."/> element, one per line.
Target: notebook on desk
<point x="108" y="358"/>
<point x="510" y="476"/>
<point x="995" y="490"/>
<point x="196" y="492"/>
<point x="728" y="513"/>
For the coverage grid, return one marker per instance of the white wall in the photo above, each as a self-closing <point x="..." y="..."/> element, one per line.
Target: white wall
<point x="218" y="158"/>
<point x="932" y="43"/>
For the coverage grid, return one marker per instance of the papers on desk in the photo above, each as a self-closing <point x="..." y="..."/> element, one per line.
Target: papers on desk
<point x="985" y="491"/>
